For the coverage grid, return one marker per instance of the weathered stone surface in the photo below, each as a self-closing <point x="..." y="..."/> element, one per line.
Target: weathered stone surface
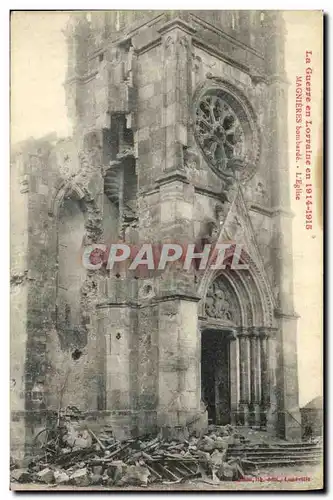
<point x="96" y="479"/>
<point x="98" y="470"/>
<point x="25" y="462"/>
<point x="221" y="443"/>
<point x="136" y="475"/>
<point x="45" y="476"/>
<point x="20" y="475"/>
<point x="116" y="470"/>
<point x="206" y="444"/>
<point x="60" y="477"/>
<point x="217" y="458"/>
<point x="80" y="477"/>
<point x="226" y="472"/>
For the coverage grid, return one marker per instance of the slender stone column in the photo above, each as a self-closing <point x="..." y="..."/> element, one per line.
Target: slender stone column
<point x="265" y="396"/>
<point x="255" y="377"/>
<point x="244" y="372"/>
<point x="272" y="404"/>
<point x="234" y="376"/>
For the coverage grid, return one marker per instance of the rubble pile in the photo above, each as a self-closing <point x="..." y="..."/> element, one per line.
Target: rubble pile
<point x="82" y="458"/>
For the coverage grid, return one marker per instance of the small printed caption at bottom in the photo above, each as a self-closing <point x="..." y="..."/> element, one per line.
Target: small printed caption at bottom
<point x="275" y="479"/>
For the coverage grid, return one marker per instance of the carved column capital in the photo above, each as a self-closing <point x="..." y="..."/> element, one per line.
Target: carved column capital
<point x="269" y="332"/>
<point x="242" y="331"/>
<point x="254" y="332"/>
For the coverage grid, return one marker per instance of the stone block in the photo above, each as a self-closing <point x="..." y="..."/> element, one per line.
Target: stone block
<point x="189" y="400"/>
<point x="144" y="37"/>
<point x="96" y="479"/>
<point x="25" y="462"/>
<point x="46" y="476"/>
<point x="148" y="72"/>
<point x="150" y="115"/>
<point x="80" y="477"/>
<point x="20" y="475"/>
<point x="61" y="477"/>
<point x="181" y="134"/>
<point x="144" y="147"/>
<point x="146" y="92"/>
<point x="136" y="475"/>
<point x="170" y="115"/>
<point x="143" y="134"/>
<point x="116" y="470"/>
<point x="98" y="470"/>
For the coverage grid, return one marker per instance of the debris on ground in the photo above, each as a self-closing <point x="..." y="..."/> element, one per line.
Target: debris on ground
<point x="85" y="458"/>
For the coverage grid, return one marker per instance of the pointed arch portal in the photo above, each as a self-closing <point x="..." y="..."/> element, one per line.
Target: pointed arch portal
<point x="237" y="343"/>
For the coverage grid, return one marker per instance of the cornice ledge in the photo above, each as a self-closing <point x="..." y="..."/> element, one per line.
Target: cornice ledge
<point x="225" y="35"/>
<point x="280" y="78"/>
<point x="211" y="49"/>
<point x="278" y="313"/>
<point x="282" y="211"/>
<point x="271" y="211"/>
<point x="177" y="23"/>
<point x="172" y="177"/>
<point x="148" y="46"/>
<point x="177" y="296"/>
<point x="219" y="195"/>
<point x="108" y="303"/>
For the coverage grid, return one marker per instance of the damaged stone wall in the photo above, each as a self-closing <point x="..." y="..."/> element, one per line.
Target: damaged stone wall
<point x="31" y="305"/>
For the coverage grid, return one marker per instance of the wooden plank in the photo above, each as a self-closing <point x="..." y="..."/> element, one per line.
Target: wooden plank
<point x="166" y="474"/>
<point x="187" y="468"/>
<point x="99" y="442"/>
<point x="182" y="473"/>
<point x="174" y="477"/>
<point x="154" y="472"/>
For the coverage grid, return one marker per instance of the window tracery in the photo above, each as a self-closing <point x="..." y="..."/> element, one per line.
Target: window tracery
<point x="226" y="131"/>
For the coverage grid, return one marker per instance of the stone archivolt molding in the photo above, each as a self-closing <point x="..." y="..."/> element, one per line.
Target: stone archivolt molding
<point x="236" y="298"/>
<point x="226" y="130"/>
<point x="232" y="297"/>
<point x="84" y="187"/>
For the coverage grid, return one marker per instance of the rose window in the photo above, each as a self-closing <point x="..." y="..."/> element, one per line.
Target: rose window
<point x="226" y="130"/>
<point x="219" y="132"/>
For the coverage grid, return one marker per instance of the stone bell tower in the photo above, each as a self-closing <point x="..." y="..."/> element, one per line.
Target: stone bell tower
<point x="180" y="118"/>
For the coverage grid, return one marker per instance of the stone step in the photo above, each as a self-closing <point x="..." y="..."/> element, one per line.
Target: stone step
<point x="290" y="446"/>
<point x="278" y="454"/>
<point x="274" y="457"/>
<point x="278" y="451"/>
<point x="274" y="446"/>
<point x="286" y="462"/>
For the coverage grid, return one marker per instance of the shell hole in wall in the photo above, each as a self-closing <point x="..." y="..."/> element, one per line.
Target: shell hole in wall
<point x="76" y="354"/>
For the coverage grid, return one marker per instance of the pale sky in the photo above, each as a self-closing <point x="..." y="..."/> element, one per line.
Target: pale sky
<point x="38" y="108"/>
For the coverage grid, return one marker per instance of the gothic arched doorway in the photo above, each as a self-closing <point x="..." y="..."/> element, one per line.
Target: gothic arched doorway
<point x="237" y="343"/>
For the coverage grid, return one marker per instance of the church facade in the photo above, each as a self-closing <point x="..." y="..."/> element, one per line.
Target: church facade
<point x="179" y="135"/>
